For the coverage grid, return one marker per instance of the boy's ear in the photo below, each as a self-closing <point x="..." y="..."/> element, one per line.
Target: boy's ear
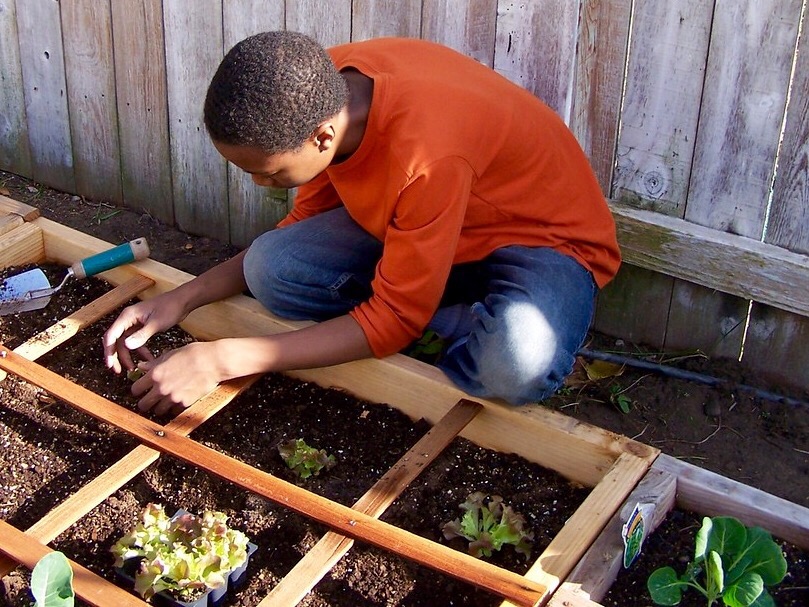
<point x="323" y="136"/>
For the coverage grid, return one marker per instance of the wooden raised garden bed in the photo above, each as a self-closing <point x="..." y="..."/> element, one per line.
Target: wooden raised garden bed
<point x="609" y="464"/>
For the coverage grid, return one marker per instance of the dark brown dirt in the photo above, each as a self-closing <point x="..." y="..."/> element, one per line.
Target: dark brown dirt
<point x="48" y="450"/>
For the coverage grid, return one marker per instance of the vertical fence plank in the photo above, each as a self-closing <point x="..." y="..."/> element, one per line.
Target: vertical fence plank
<point x="778" y="342"/>
<point x="598" y="88"/>
<point x="143" y="124"/>
<point x="327" y="22"/>
<point x="253" y="209"/>
<point x="90" y="76"/>
<point x="665" y="77"/>
<point x="194" y="48"/>
<point x="468" y="27"/>
<point x="15" y="153"/>
<point x="747" y="78"/>
<point x="43" y="71"/>
<point x="536" y="48"/>
<point x="376" y="18"/>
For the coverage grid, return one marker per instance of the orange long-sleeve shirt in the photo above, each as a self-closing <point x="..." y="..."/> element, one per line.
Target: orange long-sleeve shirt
<point x="456" y="161"/>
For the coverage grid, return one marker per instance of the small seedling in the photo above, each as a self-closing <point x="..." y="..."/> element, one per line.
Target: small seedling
<point x="619" y="398"/>
<point x="52" y="581"/>
<point x="489" y="525"/>
<point x="732" y="563"/>
<point x="304" y="460"/>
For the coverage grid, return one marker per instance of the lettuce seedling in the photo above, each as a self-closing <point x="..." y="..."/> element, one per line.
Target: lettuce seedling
<point x="185" y="555"/>
<point x="731" y="562"/>
<point x="304" y="460"/>
<point x="489" y="525"/>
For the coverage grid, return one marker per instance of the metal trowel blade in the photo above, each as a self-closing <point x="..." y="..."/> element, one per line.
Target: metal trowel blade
<point x="24" y="292"/>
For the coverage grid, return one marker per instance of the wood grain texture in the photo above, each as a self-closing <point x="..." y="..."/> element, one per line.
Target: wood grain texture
<point x="143" y="122"/>
<point x="90" y="76"/>
<point x="15" y="152"/>
<point x="376" y="18"/>
<point x="327" y="22"/>
<point x="42" y="59"/>
<point x="468" y="27"/>
<point x="194" y="49"/>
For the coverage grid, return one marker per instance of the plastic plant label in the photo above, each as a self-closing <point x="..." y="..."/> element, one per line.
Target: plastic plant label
<point x="634" y="532"/>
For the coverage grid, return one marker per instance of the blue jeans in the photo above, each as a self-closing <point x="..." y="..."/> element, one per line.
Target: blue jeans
<point x="514" y="320"/>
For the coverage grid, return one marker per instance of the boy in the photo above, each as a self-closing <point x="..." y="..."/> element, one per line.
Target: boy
<point x="433" y="194"/>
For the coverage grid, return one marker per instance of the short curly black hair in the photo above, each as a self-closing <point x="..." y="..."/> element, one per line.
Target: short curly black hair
<point x="271" y="91"/>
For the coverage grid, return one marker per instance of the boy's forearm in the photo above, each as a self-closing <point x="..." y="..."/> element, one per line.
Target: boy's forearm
<point x="220" y="282"/>
<point x="328" y="343"/>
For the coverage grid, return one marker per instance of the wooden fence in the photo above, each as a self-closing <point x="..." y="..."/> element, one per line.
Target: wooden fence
<point x="695" y="114"/>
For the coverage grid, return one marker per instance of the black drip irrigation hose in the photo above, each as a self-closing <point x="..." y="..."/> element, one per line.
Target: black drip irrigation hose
<point x="690" y="376"/>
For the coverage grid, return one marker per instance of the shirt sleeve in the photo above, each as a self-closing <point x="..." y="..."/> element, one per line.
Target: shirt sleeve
<point x="419" y="248"/>
<point x="313" y="198"/>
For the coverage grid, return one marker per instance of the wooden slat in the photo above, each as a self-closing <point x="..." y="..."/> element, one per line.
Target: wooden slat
<point x="143" y="122"/>
<point x="9" y="206"/>
<point x="466" y="26"/>
<point x="576" y="450"/>
<point x="22" y="245"/>
<point x="9" y="222"/>
<point x="536" y="47"/>
<point x="327" y="22"/>
<point x="376" y="18"/>
<point x="332" y="547"/>
<point x="90" y="76"/>
<point x="79" y="504"/>
<point x="341" y="518"/>
<point x="194" y="49"/>
<point x="43" y="62"/>
<point x="585" y="525"/>
<point x="15" y="153"/>
<point x="88" y="586"/>
<point x="717" y="260"/>
<point x="599" y="567"/>
<point x="710" y="494"/>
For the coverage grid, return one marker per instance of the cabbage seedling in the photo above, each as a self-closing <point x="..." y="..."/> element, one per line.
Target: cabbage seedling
<point x="731" y="562"/>
<point x="489" y="525"/>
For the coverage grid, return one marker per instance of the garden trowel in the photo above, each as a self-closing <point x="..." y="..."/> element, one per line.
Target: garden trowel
<point x="32" y="291"/>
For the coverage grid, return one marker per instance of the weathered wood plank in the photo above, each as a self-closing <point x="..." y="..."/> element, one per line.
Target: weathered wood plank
<point x="536" y="48"/>
<point x="42" y="60"/>
<point x="327" y="22"/>
<point x="717" y="260"/>
<point x="140" y="74"/>
<point x="194" y="49"/>
<point x="598" y="88"/>
<point x="341" y="518"/>
<point x="15" y="152"/>
<point x="468" y="27"/>
<point x="599" y="567"/>
<point x="24" y="244"/>
<point x="90" y="76"/>
<point x="9" y="206"/>
<point x="711" y="494"/>
<point x="376" y="18"/>
<point x="253" y="209"/>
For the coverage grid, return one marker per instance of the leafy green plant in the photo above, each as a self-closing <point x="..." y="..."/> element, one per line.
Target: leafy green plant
<point x="489" y="525"/>
<point x="304" y="460"/>
<point x="731" y="562"/>
<point x="52" y="581"/>
<point x="184" y="555"/>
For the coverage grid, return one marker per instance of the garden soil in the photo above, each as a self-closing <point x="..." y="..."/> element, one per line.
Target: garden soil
<point x="47" y="450"/>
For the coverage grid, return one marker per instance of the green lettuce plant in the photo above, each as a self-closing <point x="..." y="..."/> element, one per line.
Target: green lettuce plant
<point x="732" y="563"/>
<point x="184" y="555"/>
<point x="304" y="460"/>
<point x="488" y="525"/>
<point x="52" y="581"/>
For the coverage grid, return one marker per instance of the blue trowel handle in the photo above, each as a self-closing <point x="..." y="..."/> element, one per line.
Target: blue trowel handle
<point x="107" y="260"/>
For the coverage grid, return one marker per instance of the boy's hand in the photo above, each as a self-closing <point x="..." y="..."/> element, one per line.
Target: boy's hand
<point x="136" y="324"/>
<point x="178" y="378"/>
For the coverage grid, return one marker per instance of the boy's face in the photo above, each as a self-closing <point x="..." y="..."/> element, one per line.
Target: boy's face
<point x="283" y="170"/>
